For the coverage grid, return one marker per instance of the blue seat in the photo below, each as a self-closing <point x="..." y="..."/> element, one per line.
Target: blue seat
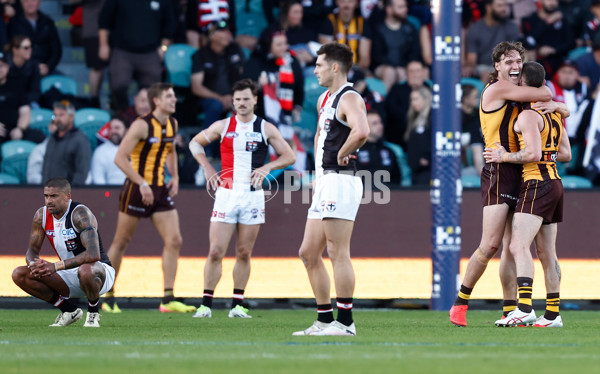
<point x="574" y="181"/>
<point x="87" y="115"/>
<point x="473" y="82"/>
<point x="575" y="53"/>
<point x="16" y="165"/>
<point x="64" y="84"/>
<point x="40" y="118"/>
<point x="377" y="85"/>
<point x="471" y="181"/>
<point x="250" y="19"/>
<point x="312" y="91"/>
<point x="402" y="162"/>
<point x="178" y="62"/>
<point x="90" y="121"/>
<point x="14" y="147"/>
<point x="8" y="179"/>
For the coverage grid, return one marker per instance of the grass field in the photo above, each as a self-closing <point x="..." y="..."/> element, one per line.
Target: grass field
<point x="387" y="341"/>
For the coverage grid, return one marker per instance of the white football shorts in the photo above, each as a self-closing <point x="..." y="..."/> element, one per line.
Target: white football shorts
<point x="336" y="196"/>
<point x="72" y="280"/>
<point x="234" y="206"/>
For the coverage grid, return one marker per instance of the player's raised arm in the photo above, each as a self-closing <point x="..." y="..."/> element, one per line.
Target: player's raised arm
<point x="564" y="149"/>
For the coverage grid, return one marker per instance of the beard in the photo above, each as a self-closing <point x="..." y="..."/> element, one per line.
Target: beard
<point x="499" y="17"/>
<point x="550" y="10"/>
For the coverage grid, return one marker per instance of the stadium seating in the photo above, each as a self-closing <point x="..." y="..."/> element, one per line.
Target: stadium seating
<point x="8" y="179"/>
<point x="473" y="82"/>
<point x="250" y="19"/>
<point x="574" y="181"/>
<point x="40" y="118"/>
<point x="90" y="120"/>
<point x="471" y="181"/>
<point x="376" y="85"/>
<point x="66" y="85"/>
<point x="14" y="147"/>
<point x="402" y="162"/>
<point x="178" y="62"/>
<point x="15" y="154"/>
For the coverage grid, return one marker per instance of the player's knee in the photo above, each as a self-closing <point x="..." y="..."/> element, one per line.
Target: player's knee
<point x="243" y="253"/>
<point x="175" y="242"/>
<point x="215" y="255"/>
<point x="20" y="274"/>
<point x="85" y="273"/>
<point x="484" y="256"/>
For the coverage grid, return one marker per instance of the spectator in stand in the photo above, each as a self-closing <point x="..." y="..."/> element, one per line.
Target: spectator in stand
<point x="40" y="29"/>
<point x="471" y="128"/>
<point x="15" y="112"/>
<point x="35" y="162"/>
<point x="202" y="13"/>
<point x="281" y="86"/>
<point x="483" y="35"/>
<point x="397" y="102"/>
<point x="375" y="156"/>
<point x="388" y="46"/>
<point x="23" y="69"/>
<point x="567" y="88"/>
<point x="576" y="13"/>
<point x="591" y="29"/>
<point x="140" y="33"/>
<point x="140" y="107"/>
<point x="418" y="136"/>
<point x="214" y="70"/>
<point x="547" y="37"/>
<point x="300" y="33"/>
<point x="3" y="33"/>
<point x="280" y="78"/>
<point x="347" y="25"/>
<point x="91" y="45"/>
<point x="10" y="8"/>
<point x="68" y="153"/>
<point x="103" y="167"/>
<point x="589" y="67"/>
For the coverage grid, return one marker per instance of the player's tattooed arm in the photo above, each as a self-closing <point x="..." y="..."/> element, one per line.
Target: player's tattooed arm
<point x="36" y="238"/>
<point x="85" y="223"/>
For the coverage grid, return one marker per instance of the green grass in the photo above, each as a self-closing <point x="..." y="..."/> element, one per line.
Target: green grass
<point x="143" y="341"/>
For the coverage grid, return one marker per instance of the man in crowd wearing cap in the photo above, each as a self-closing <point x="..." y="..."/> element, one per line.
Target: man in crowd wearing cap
<point x="214" y="70"/>
<point x="68" y="153"/>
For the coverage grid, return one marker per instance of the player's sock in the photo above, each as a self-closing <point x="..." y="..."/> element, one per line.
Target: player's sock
<point x="238" y="297"/>
<point x="62" y="303"/>
<point x="344" y="305"/>
<point x="508" y="306"/>
<point x="525" y="285"/>
<point x="463" y="295"/>
<point x="168" y="296"/>
<point x="93" y="305"/>
<point x="207" y="298"/>
<point x="325" y="313"/>
<point x="552" y="306"/>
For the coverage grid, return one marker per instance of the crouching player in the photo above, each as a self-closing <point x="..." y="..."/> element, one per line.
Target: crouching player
<point x="84" y="268"/>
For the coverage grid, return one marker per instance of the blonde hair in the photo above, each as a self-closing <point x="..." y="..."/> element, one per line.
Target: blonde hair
<point x="416" y="119"/>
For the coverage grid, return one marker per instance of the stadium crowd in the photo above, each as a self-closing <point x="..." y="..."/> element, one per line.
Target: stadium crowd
<point x="203" y="46"/>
